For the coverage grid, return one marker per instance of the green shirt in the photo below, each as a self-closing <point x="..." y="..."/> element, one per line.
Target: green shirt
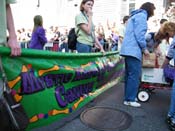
<point x="83" y="37"/>
<point x="3" y="21"/>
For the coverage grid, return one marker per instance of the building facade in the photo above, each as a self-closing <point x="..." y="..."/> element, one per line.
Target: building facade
<point x="62" y="12"/>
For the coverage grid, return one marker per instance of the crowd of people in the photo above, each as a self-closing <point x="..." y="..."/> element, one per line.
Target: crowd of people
<point x="109" y="37"/>
<point x="98" y="37"/>
<point x="132" y="38"/>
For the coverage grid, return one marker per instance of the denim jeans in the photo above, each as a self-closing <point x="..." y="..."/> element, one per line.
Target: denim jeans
<point x="171" y="112"/>
<point x="83" y="48"/>
<point x="64" y="46"/>
<point x="114" y="48"/>
<point x="132" y="77"/>
<point x="172" y="104"/>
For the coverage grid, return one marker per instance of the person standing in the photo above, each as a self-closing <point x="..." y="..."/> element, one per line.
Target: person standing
<point x="164" y="45"/>
<point x="168" y="30"/>
<point x="114" y="40"/>
<point x="38" y="39"/>
<point x="7" y="23"/>
<point x="85" y="29"/>
<point x="133" y="45"/>
<point x="122" y="30"/>
<point x="155" y="40"/>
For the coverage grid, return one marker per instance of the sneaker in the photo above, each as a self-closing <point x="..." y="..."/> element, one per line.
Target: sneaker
<point x="133" y="104"/>
<point x="172" y="126"/>
<point x="168" y="120"/>
<point x="136" y="100"/>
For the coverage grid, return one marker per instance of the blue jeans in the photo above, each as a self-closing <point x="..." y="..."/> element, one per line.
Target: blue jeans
<point x="83" y="48"/>
<point x="114" y="48"/>
<point x="171" y="112"/>
<point x="64" y="46"/>
<point x="172" y="104"/>
<point x="132" y="77"/>
<point x="102" y="42"/>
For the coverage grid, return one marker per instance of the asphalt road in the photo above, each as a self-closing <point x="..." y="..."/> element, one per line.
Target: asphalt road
<point x="150" y="117"/>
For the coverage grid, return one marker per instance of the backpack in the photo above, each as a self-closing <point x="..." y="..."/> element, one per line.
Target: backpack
<point x="72" y="39"/>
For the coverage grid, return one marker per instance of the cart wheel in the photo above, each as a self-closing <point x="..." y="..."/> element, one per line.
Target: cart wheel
<point x="143" y="96"/>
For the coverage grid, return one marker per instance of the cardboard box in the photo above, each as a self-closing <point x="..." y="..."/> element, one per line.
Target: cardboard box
<point x="149" y="62"/>
<point x="153" y="75"/>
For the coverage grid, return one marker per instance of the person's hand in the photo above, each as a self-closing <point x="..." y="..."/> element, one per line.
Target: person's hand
<point x="14" y="46"/>
<point x="102" y="51"/>
<point x="146" y="53"/>
<point x="158" y="52"/>
<point x="165" y="63"/>
<point x="90" y="13"/>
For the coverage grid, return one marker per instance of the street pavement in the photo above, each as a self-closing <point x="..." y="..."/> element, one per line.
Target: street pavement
<point x="149" y="117"/>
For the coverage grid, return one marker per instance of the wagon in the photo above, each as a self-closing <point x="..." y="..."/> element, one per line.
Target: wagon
<point x="151" y="79"/>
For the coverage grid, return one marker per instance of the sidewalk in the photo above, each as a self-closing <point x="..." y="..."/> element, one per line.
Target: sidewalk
<point x="150" y="117"/>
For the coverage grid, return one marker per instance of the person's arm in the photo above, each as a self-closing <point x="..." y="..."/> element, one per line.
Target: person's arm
<point x="170" y="54"/>
<point x="140" y="29"/>
<point x="166" y="62"/>
<point x="97" y="43"/>
<point x="121" y="33"/>
<point x="87" y="27"/>
<point x="42" y="35"/>
<point x="12" y="41"/>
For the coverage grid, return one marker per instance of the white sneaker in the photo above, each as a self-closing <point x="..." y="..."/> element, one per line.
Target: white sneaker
<point x="130" y="103"/>
<point x="136" y="100"/>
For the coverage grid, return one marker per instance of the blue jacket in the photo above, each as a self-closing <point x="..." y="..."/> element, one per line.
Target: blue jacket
<point x="151" y="43"/>
<point x="171" y="51"/>
<point x="134" y="39"/>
